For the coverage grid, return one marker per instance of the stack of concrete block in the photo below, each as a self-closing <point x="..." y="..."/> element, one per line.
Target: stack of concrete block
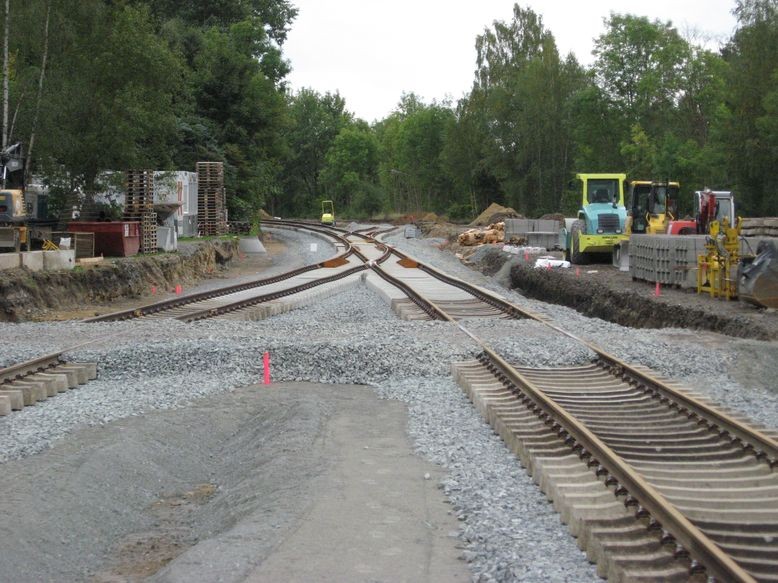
<point x="672" y="259"/>
<point x="533" y="232"/>
<point x="760" y="227"/>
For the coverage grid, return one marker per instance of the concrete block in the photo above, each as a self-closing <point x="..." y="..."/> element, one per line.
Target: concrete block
<point x="33" y="260"/>
<point x="16" y="398"/>
<point x="70" y="376"/>
<point x="83" y="372"/>
<point x="10" y="260"/>
<point x="32" y="392"/>
<point x="90" y="369"/>
<point x="5" y="405"/>
<point x="251" y="245"/>
<point x="62" y="259"/>
<point x="54" y="383"/>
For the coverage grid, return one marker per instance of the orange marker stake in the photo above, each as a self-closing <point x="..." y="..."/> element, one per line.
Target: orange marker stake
<point x="179" y="290"/>
<point x="153" y="290"/>
<point x="266" y="367"/>
<point x="526" y="256"/>
<point x="657" y="290"/>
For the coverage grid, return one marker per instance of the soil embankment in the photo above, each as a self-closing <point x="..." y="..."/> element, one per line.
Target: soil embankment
<point x="24" y="295"/>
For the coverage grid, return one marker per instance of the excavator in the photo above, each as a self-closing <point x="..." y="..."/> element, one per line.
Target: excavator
<point x="709" y="205"/>
<point x="14" y="212"/>
<point x="652" y="205"/>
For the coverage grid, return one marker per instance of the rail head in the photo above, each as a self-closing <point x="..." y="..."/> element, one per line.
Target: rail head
<point x="22" y="369"/>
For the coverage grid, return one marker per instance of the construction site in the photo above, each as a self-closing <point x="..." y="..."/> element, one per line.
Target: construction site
<point x="209" y="411"/>
<point x="525" y="330"/>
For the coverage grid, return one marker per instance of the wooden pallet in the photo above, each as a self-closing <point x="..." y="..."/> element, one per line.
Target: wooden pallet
<point x="148" y="230"/>
<point x="139" y="189"/>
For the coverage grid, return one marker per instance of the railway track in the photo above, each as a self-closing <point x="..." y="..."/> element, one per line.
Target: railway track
<point x="655" y="482"/>
<point x="27" y="383"/>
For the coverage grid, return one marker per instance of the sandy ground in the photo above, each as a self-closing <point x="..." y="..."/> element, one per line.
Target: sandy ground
<point x="287" y="482"/>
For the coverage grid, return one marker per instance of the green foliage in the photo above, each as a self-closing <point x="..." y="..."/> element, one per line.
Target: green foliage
<point x="155" y="84"/>
<point x="639" y="153"/>
<point x="163" y="84"/>
<point x="352" y="167"/>
<point x="749" y="133"/>
<point x="524" y="91"/>
<point x="316" y="120"/>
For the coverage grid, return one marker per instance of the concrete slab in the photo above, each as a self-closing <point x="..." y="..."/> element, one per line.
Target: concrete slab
<point x="10" y="260"/>
<point x="251" y="245"/>
<point x="82" y="372"/>
<point x="33" y="260"/>
<point x="54" y="383"/>
<point x="57" y="260"/>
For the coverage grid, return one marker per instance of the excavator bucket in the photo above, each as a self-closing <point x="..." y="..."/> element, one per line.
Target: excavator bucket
<point x="758" y="282"/>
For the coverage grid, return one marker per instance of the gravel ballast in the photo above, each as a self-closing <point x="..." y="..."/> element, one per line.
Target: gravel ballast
<point x="512" y="532"/>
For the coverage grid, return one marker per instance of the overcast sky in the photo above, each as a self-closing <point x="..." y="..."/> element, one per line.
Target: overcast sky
<point x="373" y="50"/>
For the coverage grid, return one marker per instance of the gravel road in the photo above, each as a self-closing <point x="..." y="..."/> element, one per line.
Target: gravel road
<point x="354" y="338"/>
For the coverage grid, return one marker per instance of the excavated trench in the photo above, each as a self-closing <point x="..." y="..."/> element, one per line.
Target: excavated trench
<point x="25" y="294"/>
<point x="628" y="308"/>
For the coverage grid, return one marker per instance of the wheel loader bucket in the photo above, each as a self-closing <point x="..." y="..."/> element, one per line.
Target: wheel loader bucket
<point x="621" y="256"/>
<point x="758" y="281"/>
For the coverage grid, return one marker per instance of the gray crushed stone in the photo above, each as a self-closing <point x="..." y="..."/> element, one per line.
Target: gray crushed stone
<point x="705" y="362"/>
<point x="355" y="338"/>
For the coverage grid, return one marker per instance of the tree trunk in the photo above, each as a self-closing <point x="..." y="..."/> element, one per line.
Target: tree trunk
<point x="44" y="59"/>
<point x="16" y="114"/>
<point x="6" y="71"/>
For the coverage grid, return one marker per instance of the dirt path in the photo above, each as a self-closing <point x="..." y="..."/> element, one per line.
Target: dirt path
<point x="285" y="480"/>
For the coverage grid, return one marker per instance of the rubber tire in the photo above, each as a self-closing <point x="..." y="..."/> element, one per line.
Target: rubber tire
<point x="576" y="257"/>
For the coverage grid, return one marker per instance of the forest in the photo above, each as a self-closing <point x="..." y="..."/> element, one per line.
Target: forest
<point x="98" y="85"/>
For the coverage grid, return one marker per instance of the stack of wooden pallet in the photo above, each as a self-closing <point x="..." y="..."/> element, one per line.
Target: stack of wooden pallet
<point x="139" y="206"/>
<point x="211" y="216"/>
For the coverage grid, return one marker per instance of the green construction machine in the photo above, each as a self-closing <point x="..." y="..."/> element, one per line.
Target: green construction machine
<point x="601" y="218"/>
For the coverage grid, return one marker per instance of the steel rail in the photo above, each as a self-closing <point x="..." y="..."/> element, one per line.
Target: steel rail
<point x="165" y="305"/>
<point x="32" y="366"/>
<point x="239" y="305"/>
<point x="427" y="306"/>
<point x="757" y="442"/>
<point x="718" y="563"/>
